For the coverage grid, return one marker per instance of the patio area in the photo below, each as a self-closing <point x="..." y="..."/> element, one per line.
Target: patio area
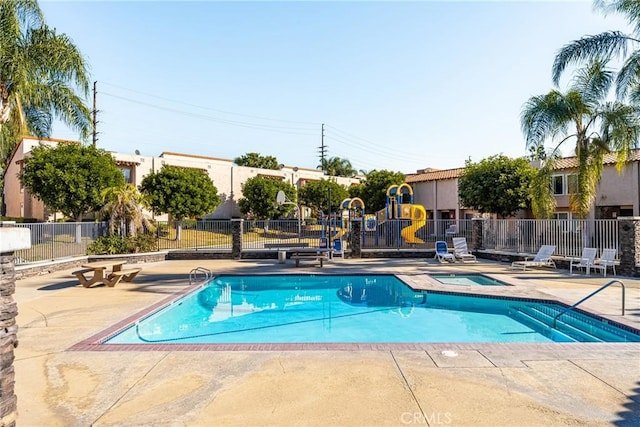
<point x="437" y="384"/>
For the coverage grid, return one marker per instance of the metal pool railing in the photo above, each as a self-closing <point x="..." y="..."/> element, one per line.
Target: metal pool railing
<point x="208" y="234"/>
<point x="51" y="241"/>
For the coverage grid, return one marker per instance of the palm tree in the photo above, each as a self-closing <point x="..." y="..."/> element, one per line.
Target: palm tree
<point x="40" y="74"/>
<point x="335" y="166"/>
<point x="123" y="206"/>
<point x="582" y="115"/>
<point x="607" y="45"/>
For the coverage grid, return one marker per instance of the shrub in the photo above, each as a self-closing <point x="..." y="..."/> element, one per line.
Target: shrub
<point x="114" y="244"/>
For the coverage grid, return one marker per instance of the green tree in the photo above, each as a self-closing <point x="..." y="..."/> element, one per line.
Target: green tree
<point x="43" y="77"/>
<point x="70" y="177"/>
<point x="335" y="166"/>
<point x="181" y="193"/>
<point x="259" y="198"/>
<point x="606" y="46"/>
<point x="315" y="195"/>
<point x="123" y="207"/>
<point x="581" y="115"/>
<point x="256" y="160"/>
<point x="373" y="191"/>
<point x="497" y="184"/>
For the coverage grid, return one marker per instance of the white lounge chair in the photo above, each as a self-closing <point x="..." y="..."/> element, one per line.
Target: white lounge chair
<point x="442" y="252"/>
<point x="607" y="259"/>
<point x="542" y="259"/>
<point x="461" y="251"/>
<point x="586" y="261"/>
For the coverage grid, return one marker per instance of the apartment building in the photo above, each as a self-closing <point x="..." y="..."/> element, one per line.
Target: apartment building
<point x="618" y="193"/>
<point x="226" y="176"/>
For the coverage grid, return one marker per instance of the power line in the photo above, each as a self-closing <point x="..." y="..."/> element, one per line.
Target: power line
<point x="280" y="129"/>
<point x="208" y="108"/>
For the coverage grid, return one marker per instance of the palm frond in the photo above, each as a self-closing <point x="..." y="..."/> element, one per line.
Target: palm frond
<point x="590" y="166"/>
<point x="543" y="204"/>
<point x="592" y="82"/>
<point x="55" y="57"/>
<point x="628" y="76"/>
<point x="545" y="116"/>
<point x="620" y="127"/>
<point x="601" y="46"/>
<point x="628" y="8"/>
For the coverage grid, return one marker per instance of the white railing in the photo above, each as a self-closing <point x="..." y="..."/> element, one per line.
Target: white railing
<point x="569" y="236"/>
<point x="52" y="241"/>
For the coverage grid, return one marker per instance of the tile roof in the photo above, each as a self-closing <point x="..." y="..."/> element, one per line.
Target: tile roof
<point x="434" y="175"/>
<point x="562" y="163"/>
<point x="609" y="159"/>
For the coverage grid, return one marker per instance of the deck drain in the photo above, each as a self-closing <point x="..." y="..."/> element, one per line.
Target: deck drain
<point x="450" y="353"/>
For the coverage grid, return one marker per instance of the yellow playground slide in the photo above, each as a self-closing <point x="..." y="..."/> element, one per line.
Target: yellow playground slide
<point x="339" y="233"/>
<point x="418" y="220"/>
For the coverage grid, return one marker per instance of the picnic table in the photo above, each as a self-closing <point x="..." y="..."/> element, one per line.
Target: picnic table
<point x="314" y="254"/>
<point x="100" y="274"/>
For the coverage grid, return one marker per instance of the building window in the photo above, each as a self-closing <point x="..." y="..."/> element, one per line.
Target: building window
<point x="557" y="185"/>
<point x="572" y="184"/>
<point x="128" y="174"/>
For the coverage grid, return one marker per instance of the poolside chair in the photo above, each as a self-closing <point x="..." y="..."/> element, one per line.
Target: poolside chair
<point x="542" y="259"/>
<point x="586" y="261"/>
<point x="607" y="259"/>
<point x="324" y="243"/>
<point x="460" y="250"/>
<point x="337" y="248"/>
<point x="442" y="252"/>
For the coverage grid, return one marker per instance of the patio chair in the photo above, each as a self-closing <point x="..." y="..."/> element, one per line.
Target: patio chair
<point x="461" y="251"/>
<point x="586" y="261"/>
<point x="542" y="259"/>
<point x="607" y="259"/>
<point x="337" y="248"/>
<point x="442" y="252"/>
<point x="324" y="243"/>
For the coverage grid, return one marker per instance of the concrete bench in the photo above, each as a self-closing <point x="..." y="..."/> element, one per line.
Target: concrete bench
<point x="286" y="245"/>
<point x="127" y="275"/>
<point x="308" y="256"/>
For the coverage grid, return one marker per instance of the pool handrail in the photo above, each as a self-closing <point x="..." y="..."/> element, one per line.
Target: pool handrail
<point x="193" y="274"/>
<point x="606" y="285"/>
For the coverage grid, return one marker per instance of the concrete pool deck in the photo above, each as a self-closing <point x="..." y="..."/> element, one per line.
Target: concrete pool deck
<point x="444" y="384"/>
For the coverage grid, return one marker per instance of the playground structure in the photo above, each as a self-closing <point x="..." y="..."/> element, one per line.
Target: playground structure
<point x="350" y="209"/>
<point x="396" y="208"/>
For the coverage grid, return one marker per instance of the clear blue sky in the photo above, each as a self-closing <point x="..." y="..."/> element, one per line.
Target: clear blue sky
<point x="399" y="86"/>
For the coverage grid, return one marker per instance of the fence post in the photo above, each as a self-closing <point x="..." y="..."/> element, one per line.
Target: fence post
<point x="236" y="237"/>
<point x="477" y="225"/>
<point x="11" y="239"/>
<point x="355" y="243"/>
<point x="629" y="244"/>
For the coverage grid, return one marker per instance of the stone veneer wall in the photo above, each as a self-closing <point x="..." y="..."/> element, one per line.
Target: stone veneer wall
<point x="11" y="239"/>
<point x="355" y="244"/>
<point x="629" y="244"/>
<point x="8" y="341"/>
<point x="236" y="238"/>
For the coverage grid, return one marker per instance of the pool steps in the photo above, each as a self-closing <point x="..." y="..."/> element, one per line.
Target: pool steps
<point x="575" y="325"/>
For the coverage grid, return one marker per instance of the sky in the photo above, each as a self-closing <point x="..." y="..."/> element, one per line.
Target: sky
<point x="398" y="85"/>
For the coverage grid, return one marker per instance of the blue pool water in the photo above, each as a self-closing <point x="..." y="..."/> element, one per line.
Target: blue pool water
<point x="467" y="279"/>
<point x="353" y="309"/>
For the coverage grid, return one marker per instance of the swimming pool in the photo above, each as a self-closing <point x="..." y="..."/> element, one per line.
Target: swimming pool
<point x="353" y="309"/>
<point x="467" y="279"/>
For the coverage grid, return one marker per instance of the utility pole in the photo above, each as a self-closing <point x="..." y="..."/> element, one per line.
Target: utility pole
<point x="95" y="114"/>
<point x="323" y="151"/>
